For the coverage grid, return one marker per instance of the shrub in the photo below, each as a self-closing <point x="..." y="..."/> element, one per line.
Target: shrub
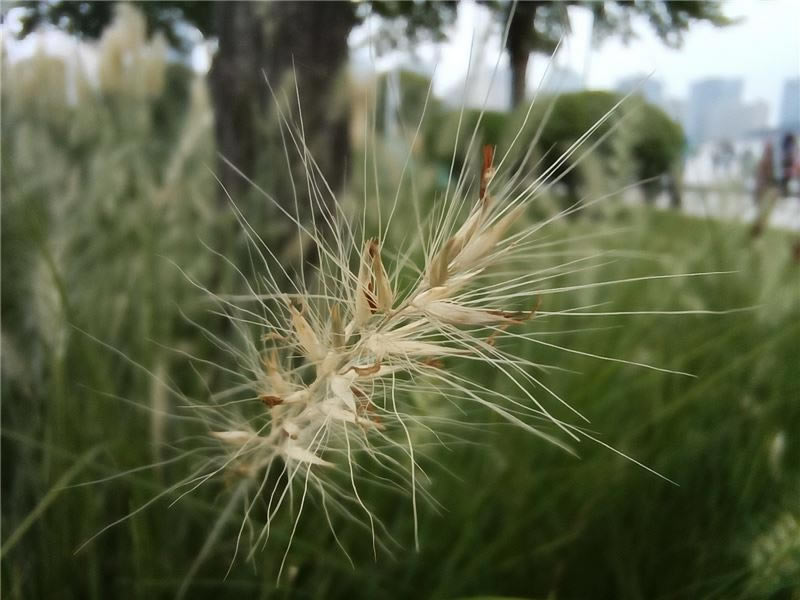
<point x="647" y="145"/>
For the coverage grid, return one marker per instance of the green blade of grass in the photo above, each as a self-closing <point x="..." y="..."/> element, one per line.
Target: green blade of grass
<point x="47" y="500"/>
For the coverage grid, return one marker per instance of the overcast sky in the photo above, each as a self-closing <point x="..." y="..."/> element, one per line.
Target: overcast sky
<point x="763" y="49"/>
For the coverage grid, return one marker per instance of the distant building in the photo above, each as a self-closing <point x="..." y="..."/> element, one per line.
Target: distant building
<point x="712" y="103"/>
<point x="561" y="80"/>
<point x="789" y="116"/>
<point x="651" y="89"/>
<point x="753" y="117"/>
<point x="678" y="110"/>
<point x="715" y="111"/>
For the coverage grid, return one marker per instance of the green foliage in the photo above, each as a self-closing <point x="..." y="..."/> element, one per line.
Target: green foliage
<point x="658" y="143"/>
<point x="403" y="21"/>
<point x="89" y="19"/>
<point x="669" y="19"/>
<point x="572" y="116"/>
<point x="407" y="22"/>
<point x="637" y="132"/>
<point x="545" y="22"/>
<point x="538" y="25"/>
<point x="655" y="141"/>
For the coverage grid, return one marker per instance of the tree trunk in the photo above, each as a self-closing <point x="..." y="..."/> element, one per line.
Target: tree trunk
<point x="520" y="44"/>
<point x="309" y="38"/>
<point x="237" y="89"/>
<point x="519" y="71"/>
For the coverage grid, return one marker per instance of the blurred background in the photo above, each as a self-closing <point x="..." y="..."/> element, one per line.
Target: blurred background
<point x="114" y="117"/>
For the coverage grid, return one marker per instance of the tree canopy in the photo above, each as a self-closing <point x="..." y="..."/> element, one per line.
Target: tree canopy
<point x="537" y="25"/>
<point x="533" y="25"/>
<point x="89" y="19"/>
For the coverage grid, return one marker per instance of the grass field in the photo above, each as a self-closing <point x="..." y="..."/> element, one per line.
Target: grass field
<point x="96" y="211"/>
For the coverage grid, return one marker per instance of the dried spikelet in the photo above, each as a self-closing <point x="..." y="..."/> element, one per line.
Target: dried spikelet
<point x="382" y="285"/>
<point x="439" y="267"/>
<point x="235" y="437"/>
<point x="383" y="345"/>
<point x="434" y="363"/>
<point x="331" y="408"/>
<point x="303" y="455"/>
<point x="467" y="231"/>
<point x="298" y="397"/>
<point x="291" y="429"/>
<point x="487" y="173"/>
<point x="306" y="338"/>
<point x="275" y="379"/>
<point x="484" y="242"/>
<point x="516" y="317"/>
<point x="340" y="388"/>
<point x="364" y="299"/>
<point x="473" y="241"/>
<point x="425" y="297"/>
<point x="452" y="312"/>
<point x="337" y="329"/>
<point x="366" y="371"/>
<point x="271" y="401"/>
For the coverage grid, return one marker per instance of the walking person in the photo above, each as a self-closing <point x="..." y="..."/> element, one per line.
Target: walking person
<point x="764" y="191"/>
<point x="764" y="173"/>
<point x="788" y="161"/>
